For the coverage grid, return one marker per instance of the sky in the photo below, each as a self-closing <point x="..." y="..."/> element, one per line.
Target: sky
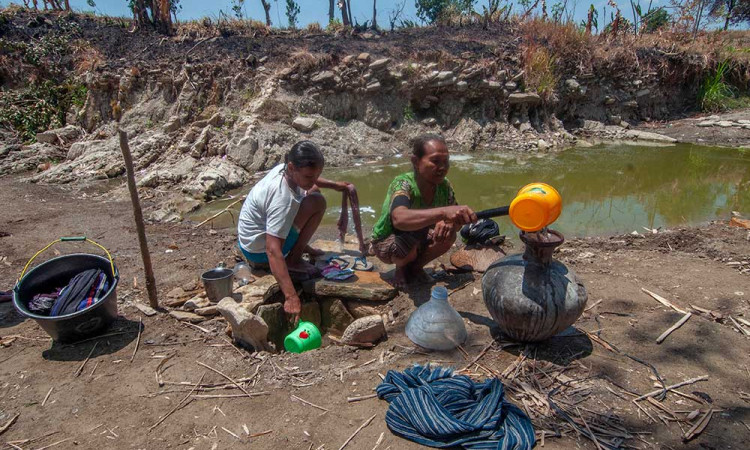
<point x="317" y="10"/>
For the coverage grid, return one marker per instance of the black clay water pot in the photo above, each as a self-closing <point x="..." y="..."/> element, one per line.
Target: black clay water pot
<point x="531" y="296"/>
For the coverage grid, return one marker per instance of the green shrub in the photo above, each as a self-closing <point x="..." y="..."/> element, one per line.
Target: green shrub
<point x="715" y="94"/>
<point x="409" y="112"/>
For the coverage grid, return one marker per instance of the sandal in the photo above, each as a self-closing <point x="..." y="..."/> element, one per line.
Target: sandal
<point x="363" y="264"/>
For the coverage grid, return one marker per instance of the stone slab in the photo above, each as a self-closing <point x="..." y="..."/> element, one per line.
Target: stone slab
<point x="362" y="286"/>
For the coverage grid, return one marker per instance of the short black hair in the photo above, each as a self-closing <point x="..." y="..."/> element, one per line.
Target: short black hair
<point x="418" y="148"/>
<point x="305" y="154"/>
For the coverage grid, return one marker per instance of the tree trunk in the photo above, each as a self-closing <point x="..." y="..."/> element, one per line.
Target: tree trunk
<point x="730" y="7"/>
<point x="331" y="10"/>
<point x="374" y="15"/>
<point x="349" y="9"/>
<point x="344" y="14"/>
<point x="267" y="8"/>
<point x="67" y="5"/>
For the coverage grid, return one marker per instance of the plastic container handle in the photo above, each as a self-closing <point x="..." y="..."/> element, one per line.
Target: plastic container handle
<point x="494" y="212"/>
<point x="69" y="239"/>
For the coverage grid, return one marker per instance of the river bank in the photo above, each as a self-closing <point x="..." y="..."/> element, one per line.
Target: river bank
<point x="705" y="266"/>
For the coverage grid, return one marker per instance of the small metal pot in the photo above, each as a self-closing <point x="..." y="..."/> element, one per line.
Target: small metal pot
<point x="218" y="283"/>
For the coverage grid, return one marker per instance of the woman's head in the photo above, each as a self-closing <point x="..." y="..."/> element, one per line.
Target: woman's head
<point x="430" y="158"/>
<point x="304" y="164"/>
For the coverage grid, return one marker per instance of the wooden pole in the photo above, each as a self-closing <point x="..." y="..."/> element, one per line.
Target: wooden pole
<point x="138" y="214"/>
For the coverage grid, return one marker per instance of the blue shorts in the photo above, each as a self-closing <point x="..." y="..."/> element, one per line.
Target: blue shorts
<point x="262" y="258"/>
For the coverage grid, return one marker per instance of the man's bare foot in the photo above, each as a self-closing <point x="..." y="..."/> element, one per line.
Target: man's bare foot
<point x="399" y="278"/>
<point x="418" y="275"/>
<point x="314" y="251"/>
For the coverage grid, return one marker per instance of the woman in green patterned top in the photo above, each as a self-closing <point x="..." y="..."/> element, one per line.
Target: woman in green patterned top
<point x="420" y="217"/>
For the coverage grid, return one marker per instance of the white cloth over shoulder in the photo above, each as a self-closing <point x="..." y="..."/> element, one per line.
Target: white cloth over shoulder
<point x="270" y="208"/>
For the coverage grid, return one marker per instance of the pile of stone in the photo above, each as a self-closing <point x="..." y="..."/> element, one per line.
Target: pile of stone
<point x="716" y="121"/>
<point x="352" y="312"/>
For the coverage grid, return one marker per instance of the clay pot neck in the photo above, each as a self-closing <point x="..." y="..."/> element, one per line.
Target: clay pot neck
<point x="540" y="245"/>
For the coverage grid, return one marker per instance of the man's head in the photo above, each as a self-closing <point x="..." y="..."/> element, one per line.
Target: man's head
<point x="430" y="158"/>
<point x="304" y="164"/>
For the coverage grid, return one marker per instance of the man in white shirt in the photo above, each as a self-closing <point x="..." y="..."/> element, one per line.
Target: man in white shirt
<point x="280" y="216"/>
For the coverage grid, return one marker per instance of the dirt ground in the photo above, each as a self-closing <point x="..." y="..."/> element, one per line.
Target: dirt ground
<point x="687" y="130"/>
<point x="115" y="402"/>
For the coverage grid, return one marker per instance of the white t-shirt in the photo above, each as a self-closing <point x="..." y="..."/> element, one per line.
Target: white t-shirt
<point x="270" y="208"/>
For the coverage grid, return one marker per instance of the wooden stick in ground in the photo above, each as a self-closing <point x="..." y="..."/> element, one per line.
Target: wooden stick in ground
<point x="479" y="356"/>
<point x="664" y="301"/>
<point x="9" y="424"/>
<point x="225" y="376"/>
<point x="367" y="422"/>
<point x="677" y="325"/>
<point x="80" y="369"/>
<point x="53" y="444"/>
<point x="46" y="397"/>
<point x="364" y="397"/>
<point x="138" y="341"/>
<point x="309" y="403"/>
<point x="138" y="215"/>
<point x="738" y="326"/>
<point x="254" y="435"/>
<point x="178" y="404"/>
<point x="674" y="386"/>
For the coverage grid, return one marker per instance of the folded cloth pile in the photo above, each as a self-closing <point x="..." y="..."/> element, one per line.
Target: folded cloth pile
<point x="432" y="407"/>
<point x="84" y="290"/>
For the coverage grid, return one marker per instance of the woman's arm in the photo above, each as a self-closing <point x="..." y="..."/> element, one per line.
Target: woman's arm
<point x="328" y="184"/>
<point x="292" y="304"/>
<point x="406" y="219"/>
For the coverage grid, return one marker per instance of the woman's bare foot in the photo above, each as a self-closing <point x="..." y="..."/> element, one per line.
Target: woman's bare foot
<point x="399" y="278"/>
<point x="418" y="275"/>
<point x="302" y="270"/>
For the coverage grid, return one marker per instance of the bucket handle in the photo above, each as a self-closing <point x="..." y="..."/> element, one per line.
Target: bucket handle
<point x="70" y="239"/>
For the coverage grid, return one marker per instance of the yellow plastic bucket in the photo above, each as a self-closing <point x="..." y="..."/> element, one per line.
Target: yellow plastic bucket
<point x="536" y="206"/>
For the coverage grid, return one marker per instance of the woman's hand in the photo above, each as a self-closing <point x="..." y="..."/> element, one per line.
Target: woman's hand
<point x="292" y="307"/>
<point x="442" y="231"/>
<point x="459" y="214"/>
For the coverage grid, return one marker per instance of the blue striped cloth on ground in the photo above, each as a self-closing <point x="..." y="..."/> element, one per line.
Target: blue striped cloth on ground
<point x="430" y="406"/>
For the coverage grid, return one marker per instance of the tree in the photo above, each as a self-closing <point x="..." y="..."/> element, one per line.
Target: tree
<point x="160" y="15"/>
<point x="331" y="10"/>
<point x="395" y="14"/>
<point x="656" y="20"/>
<point x="374" y="15"/>
<point x="345" y="12"/>
<point x="267" y="8"/>
<point x="292" y="11"/>
<point x="734" y="12"/>
<point x="431" y="10"/>
<point x="237" y="6"/>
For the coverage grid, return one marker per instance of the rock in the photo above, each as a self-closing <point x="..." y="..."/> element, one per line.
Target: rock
<point x="572" y="85"/>
<point x="311" y="312"/>
<point x="642" y="93"/>
<point x="323" y="77"/>
<point x="363" y="286"/>
<point x="379" y="64"/>
<point x="373" y="87"/>
<point x="524" y="98"/>
<point x="495" y="85"/>
<point x="273" y="315"/>
<point x="430" y="122"/>
<point x="347" y="59"/>
<point x="542" y="144"/>
<point x="724" y="123"/>
<point x="145" y="309"/>
<point x="304" y="124"/>
<point x="244" y="152"/>
<point x="706" y="123"/>
<point x="462" y="86"/>
<point x="80" y="149"/>
<point x="248" y="330"/>
<point x="60" y="136"/>
<point x="216" y="178"/>
<point x="173" y="124"/>
<point x="366" y="330"/>
<point x="185" y="316"/>
<point x="362" y="309"/>
<point x="445" y="75"/>
<point x="609" y="100"/>
<point x="208" y="311"/>
<point x="363" y="57"/>
<point x="648" y="136"/>
<point x="177" y="292"/>
<point x="196" y="302"/>
<point x="334" y="316"/>
<point x="737" y="222"/>
<point x="264" y="288"/>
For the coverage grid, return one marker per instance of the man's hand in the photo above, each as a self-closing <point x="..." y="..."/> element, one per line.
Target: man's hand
<point x="442" y="231"/>
<point x="342" y="186"/>
<point x="459" y="215"/>
<point x="292" y="307"/>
